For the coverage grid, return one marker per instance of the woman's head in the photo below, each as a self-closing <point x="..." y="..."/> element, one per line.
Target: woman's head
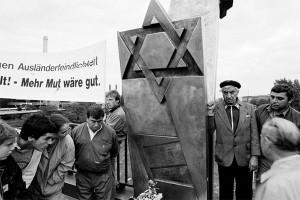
<point x="61" y="124"/>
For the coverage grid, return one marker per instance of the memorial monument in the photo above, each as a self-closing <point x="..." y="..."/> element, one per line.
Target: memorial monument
<point x="164" y="91"/>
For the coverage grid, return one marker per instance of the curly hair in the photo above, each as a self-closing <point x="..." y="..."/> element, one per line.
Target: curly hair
<point x="36" y="126"/>
<point x="95" y="111"/>
<point x="278" y="88"/>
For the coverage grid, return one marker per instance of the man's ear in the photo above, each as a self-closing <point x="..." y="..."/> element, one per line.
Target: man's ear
<point x="290" y="101"/>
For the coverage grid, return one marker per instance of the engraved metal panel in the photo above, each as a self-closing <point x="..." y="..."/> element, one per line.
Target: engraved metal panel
<point x="164" y="100"/>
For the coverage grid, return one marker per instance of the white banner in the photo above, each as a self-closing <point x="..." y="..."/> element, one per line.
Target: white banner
<point x="77" y="75"/>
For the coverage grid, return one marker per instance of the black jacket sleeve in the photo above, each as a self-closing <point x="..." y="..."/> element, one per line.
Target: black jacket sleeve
<point x="13" y="177"/>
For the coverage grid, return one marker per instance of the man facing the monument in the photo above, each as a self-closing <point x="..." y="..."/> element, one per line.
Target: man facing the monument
<point x="237" y="141"/>
<point x="280" y="98"/>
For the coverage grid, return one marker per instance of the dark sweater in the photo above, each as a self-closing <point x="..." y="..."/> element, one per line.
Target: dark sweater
<point x="94" y="155"/>
<point x="11" y="175"/>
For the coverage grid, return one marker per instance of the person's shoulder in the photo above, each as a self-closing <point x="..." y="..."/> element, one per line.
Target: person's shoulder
<point x="295" y="111"/>
<point x="262" y="107"/>
<point x="219" y="102"/>
<point x="11" y="164"/>
<point x="109" y="129"/>
<point x="119" y="112"/>
<point x="10" y="160"/>
<point x="79" y="126"/>
<point x="67" y="140"/>
<point x="246" y="105"/>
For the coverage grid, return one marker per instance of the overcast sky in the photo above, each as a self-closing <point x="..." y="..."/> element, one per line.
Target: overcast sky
<point x="259" y="40"/>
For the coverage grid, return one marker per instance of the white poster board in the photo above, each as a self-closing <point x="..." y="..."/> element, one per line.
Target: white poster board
<point x="77" y="75"/>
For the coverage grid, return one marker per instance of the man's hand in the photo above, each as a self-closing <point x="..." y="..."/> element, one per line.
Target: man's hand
<point x="210" y="108"/>
<point x="253" y="163"/>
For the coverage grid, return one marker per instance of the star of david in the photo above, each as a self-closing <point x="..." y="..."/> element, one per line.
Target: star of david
<point x="161" y="49"/>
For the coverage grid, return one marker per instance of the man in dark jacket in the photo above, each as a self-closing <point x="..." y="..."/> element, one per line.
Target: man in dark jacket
<point x="116" y="119"/>
<point x="115" y="116"/>
<point x="12" y="185"/>
<point x="280" y="98"/>
<point x="96" y="144"/>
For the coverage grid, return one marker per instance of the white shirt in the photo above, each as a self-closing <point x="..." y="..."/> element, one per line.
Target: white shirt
<point x="29" y="171"/>
<point x="92" y="134"/>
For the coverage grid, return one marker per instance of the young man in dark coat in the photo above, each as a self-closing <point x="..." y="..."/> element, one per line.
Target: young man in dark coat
<point x="280" y="98"/>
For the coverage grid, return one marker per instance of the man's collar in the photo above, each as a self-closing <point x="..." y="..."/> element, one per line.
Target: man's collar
<point x="90" y="130"/>
<point x="237" y="104"/>
<point x="272" y="112"/>
<point x="113" y="108"/>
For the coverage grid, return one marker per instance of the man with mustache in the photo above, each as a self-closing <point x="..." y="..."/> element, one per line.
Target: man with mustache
<point x="280" y="98"/>
<point x="237" y="141"/>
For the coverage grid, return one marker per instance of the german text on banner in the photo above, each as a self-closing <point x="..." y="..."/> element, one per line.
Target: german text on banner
<point x="77" y="75"/>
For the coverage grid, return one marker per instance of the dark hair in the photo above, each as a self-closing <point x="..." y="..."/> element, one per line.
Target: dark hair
<point x="36" y="126"/>
<point x="278" y="88"/>
<point x="58" y="121"/>
<point x="115" y="94"/>
<point x="95" y="111"/>
<point x="6" y="132"/>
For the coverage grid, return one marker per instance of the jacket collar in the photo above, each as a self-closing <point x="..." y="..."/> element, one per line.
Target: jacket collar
<point x="113" y="109"/>
<point x="280" y="166"/>
<point x="223" y="115"/>
<point x="271" y="111"/>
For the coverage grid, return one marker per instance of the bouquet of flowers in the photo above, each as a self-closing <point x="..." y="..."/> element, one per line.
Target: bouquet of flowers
<point x="150" y="194"/>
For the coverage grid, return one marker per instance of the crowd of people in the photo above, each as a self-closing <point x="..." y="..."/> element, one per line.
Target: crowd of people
<point x="258" y="146"/>
<point x="253" y="145"/>
<point x="34" y="162"/>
